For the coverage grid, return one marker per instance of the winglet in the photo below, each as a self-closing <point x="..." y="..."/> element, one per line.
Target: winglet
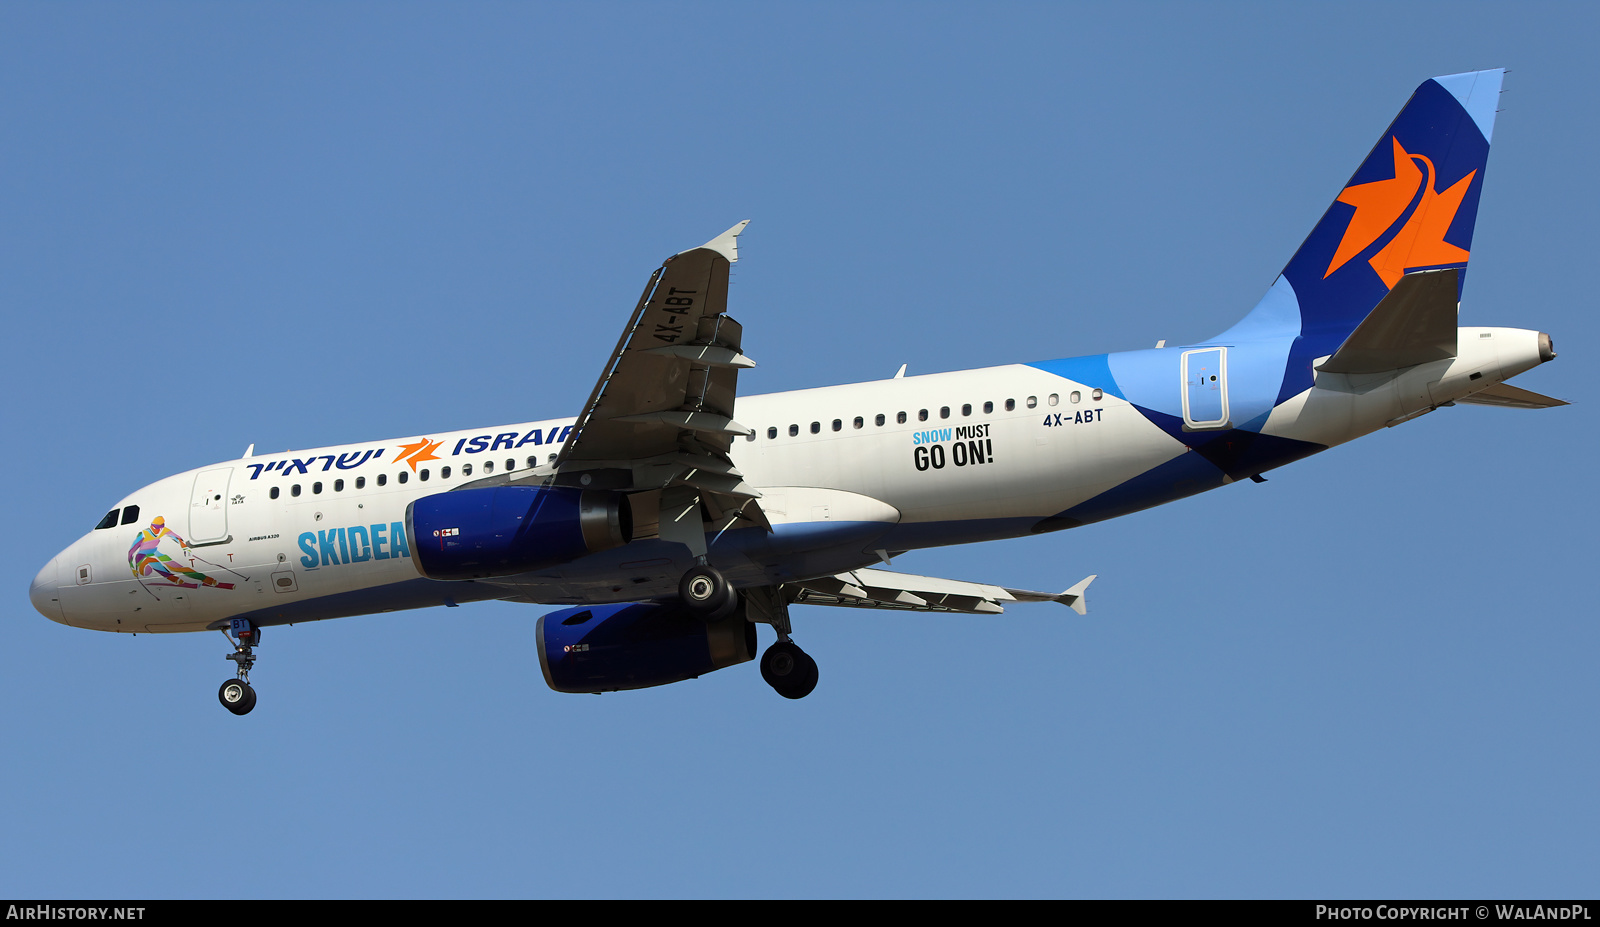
<point x="1073" y="598"/>
<point x="726" y="244"/>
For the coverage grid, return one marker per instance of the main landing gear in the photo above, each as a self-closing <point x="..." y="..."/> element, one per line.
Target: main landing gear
<point x="789" y="670"/>
<point x="236" y="694"/>
<point x="707" y="593"/>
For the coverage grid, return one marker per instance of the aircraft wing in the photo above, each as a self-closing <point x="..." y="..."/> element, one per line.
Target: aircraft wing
<point x="661" y="415"/>
<point x="904" y="592"/>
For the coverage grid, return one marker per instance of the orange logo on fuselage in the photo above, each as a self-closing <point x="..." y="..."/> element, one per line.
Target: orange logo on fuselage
<point x="414" y="454"/>
<point x="1380" y="204"/>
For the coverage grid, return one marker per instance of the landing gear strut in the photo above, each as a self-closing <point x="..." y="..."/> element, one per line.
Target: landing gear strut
<point x="236" y="694"/>
<point x="789" y="670"/>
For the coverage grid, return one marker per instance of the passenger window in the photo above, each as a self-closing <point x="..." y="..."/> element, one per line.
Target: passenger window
<point x="361" y="482"/>
<point x="533" y="462"/>
<point x="130" y="514"/>
<point x="966" y="409"/>
<point x="338" y="485"/>
<point x="1011" y="405"/>
<point x="273" y="493"/>
<point x="901" y="418"/>
<point x="837" y="425"/>
<point x="772" y="432"/>
<point x="878" y="420"/>
<point x="404" y="476"/>
<point x="488" y="466"/>
<point x="858" y="422"/>
<point x="295" y="490"/>
<point x="444" y="473"/>
<point x="794" y="430"/>
<point x="816" y="427"/>
<point x="944" y="411"/>
<point x="1097" y="394"/>
<point x="1055" y="398"/>
<point x="552" y="458"/>
<point x="110" y="521"/>
<point x="1033" y="402"/>
<point x="466" y="470"/>
<point x="383" y="479"/>
<point x="922" y="415"/>
<point x="423" y="474"/>
<point x="988" y="407"/>
<point x="511" y="463"/>
<point x="751" y="436"/>
<point x="1076" y="397"/>
<point x="316" y="489"/>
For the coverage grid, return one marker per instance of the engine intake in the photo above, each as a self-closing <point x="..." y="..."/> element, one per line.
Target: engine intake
<point x="504" y="530"/>
<point x="606" y="648"/>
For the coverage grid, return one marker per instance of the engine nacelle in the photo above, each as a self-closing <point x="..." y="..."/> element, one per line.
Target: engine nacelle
<point x="605" y="648"/>
<point x="504" y="530"/>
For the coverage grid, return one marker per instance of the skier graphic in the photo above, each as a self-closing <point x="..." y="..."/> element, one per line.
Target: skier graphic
<point x="146" y="559"/>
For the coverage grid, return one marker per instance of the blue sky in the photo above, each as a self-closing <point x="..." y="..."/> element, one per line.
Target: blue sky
<point x="294" y="225"/>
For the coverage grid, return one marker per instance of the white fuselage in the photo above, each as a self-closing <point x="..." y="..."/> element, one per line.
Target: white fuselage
<point x="847" y="473"/>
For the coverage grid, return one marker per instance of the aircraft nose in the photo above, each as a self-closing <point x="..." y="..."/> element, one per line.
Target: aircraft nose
<point x="45" y="593"/>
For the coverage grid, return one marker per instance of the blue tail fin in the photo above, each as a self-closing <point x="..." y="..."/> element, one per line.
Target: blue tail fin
<point x="1411" y="205"/>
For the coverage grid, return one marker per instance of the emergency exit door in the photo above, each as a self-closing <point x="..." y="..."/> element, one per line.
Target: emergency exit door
<point x="1205" y="389"/>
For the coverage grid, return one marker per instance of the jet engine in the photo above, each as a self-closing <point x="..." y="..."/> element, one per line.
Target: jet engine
<point x="605" y="648"/>
<point x="504" y="530"/>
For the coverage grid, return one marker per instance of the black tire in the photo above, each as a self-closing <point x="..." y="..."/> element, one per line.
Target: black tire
<point x="237" y="696"/>
<point x="789" y="670"/>
<point x="729" y="605"/>
<point x="707" y="593"/>
<point x="807" y="681"/>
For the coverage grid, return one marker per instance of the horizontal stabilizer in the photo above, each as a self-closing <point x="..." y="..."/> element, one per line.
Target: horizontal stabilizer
<point x="1414" y="324"/>
<point x="904" y="592"/>
<point x="1512" y="397"/>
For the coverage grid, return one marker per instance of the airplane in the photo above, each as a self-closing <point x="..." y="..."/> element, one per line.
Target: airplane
<point x="671" y="516"/>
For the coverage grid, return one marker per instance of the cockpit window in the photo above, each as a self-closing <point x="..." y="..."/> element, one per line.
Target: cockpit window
<point x="108" y="521"/>
<point x="130" y="514"/>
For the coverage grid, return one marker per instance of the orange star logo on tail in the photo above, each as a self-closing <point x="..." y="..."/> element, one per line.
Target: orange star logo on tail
<point x="413" y="454"/>
<point x="1381" y="203"/>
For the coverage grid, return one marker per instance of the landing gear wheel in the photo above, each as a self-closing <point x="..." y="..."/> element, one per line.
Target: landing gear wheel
<point x="237" y="696"/>
<point x="789" y="670"/>
<point x="708" y="593"/>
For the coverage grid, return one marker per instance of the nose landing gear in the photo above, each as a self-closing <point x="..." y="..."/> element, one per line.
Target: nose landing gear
<point x="236" y="694"/>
